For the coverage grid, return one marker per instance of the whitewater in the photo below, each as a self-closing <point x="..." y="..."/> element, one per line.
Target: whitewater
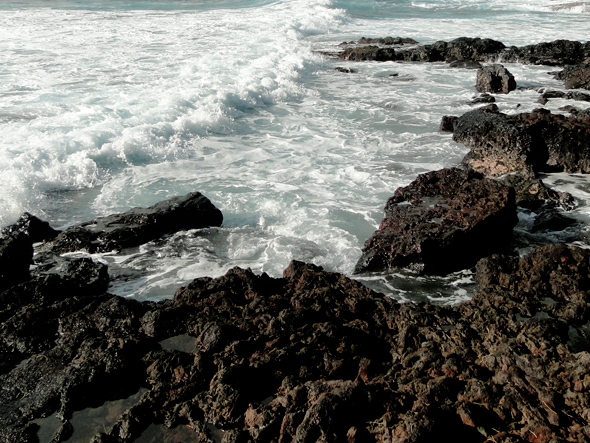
<point x="111" y="104"/>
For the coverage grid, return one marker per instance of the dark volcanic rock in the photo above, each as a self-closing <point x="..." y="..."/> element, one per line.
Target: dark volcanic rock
<point x="387" y="41"/>
<point x="537" y="141"/>
<point x="371" y="52"/>
<point x="36" y="229"/>
<point x="317" y="357"/>
<point x="569" y="95"/>
<point x="495" y="78"/>
<point x="139" y="225"/>
<point x="310" y="357"/>
<point x="443" y="221"/>
<point x="447" y="123"/>
<point x="463" y="49"/>
<point x="483" y="98"/>
<point x="576" y="77"/>
<point x="531" y="192"/>
<point x="555" y="53"/>
<point x="16" y="256"/>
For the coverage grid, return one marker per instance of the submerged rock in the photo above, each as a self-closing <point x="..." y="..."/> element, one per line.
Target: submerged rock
<point x="538" y="141"/>
<point x="444" y="221"/>
<point x="495" y="78"/>
<point x="139" y="225"/>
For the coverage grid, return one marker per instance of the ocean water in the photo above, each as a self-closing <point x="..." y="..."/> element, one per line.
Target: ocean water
<point x="110" y="104"/>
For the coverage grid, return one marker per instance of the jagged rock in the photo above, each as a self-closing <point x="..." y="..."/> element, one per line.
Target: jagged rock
<point x="447" y="123"/>
<point x="532" y="194"/>
<point x="569" y="95"/>
<point x="387" y="41"/>
<point x="443" y="221"/>
<point x="36" y="229"/>
<point x="576" y="77"/>
<point x="139" y="225"/>
<point x="537" y="141"/>
<point x="495" y="78"/>
<point x="315" y="356"/>
<point x="463" y="49"/>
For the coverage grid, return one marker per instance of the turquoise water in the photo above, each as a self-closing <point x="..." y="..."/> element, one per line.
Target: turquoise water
<point x="106" y="105"/>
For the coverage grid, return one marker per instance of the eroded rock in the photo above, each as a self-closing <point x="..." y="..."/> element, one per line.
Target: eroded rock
<point x="443" y="221"/>
<point x="538" y="141"/>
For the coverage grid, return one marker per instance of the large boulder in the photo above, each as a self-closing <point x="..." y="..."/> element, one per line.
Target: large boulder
<point x="139" y="225"/>
<point x="443" y="221"/>
<point x="538" y="141"/>
<point x="495" y="78"/>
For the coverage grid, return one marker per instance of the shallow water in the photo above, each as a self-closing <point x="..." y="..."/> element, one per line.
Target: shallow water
<point x="112" y="104"/>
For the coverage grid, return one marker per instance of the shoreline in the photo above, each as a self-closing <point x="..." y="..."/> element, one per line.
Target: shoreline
<point x="315" y="355"/>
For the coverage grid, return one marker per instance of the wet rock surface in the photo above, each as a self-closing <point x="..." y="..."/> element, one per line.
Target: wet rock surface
<point x="538" y="141"/>
<point x="569" y="95"/>
<point x="442" y="222"/>
<point x="575" y="77"/>
<point x="495" y="79"/>
<point x="139" y="225"/>
<point x="556" y="53"/>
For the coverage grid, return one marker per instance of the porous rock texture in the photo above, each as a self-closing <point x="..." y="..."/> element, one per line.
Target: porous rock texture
<point x="442" y="222"/>
<point x="537" y="141"/>
<point x="310" y="357"/>
<point x="494" y="78"/>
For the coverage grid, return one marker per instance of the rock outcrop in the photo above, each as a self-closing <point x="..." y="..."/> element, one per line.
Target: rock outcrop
<point x="443" y="221"/>
<point x="310" y="357"/>
<point x="575" y="77"/>
<point x="139" y="225"/>
<point x="538" y="142"/>
<point x="556" y="53"/>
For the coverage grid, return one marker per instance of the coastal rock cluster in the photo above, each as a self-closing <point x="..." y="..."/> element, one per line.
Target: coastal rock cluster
<point x="315" y="356"/>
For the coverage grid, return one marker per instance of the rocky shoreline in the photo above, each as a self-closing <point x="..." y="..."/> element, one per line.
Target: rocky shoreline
<point x="316" y="356"/>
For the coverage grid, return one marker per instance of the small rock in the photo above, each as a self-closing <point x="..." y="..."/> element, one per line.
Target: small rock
<point x="495" y="78"/>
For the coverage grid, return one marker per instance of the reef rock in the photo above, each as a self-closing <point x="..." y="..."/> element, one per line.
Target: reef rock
<point x="443" y="221"/>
